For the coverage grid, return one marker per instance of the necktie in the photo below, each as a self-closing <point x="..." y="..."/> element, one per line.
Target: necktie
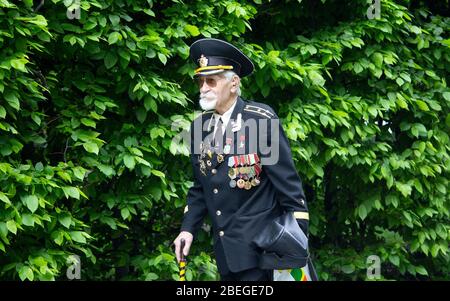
<point x="217" y="140"/>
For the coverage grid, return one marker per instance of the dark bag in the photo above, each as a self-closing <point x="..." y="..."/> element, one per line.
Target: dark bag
<point x="284" y="245"/>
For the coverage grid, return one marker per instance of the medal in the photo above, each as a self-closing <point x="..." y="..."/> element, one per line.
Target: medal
<point x="253" y="182"/>
<point x="247" y="185"/>
<point x="240" y="183"/>
<point x="208" y="162"/>
<point x="232" y="183"/>
<point x="232" y="173"/>
<point x="256" y="181"/>
<point x="220" y="158"/>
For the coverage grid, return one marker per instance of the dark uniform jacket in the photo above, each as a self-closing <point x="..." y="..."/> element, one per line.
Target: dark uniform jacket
<point x="238" y="214"/>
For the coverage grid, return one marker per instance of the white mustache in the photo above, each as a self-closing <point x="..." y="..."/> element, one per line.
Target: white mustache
<point x="208" y="95"/>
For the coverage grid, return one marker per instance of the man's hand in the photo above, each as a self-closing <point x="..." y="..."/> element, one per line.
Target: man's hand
<point x="188" y="237"/>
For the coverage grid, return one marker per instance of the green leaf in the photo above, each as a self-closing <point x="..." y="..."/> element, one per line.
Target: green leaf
<point x="125" y="213"/>
<point x="79" y="173"/>
<point x="107" y="170"/>
<point x="72" y="192"/>
<point x="150" y="103"/>
<point x="39" y="261"/>
<point x="11" y="226"/>
<point x="27" y="219"/>
<point x="78" y="236"/>
<point x="91" y="147"/>
<point x="446" y="96"/>
<point x="377" y="59"/>
<point x="348" y="269"/>
<point x="399" y="81"/>
<point x="151" y="276"/>
<point x="31" y="201"/>
<point x="88" y="122"/>
<point x="65" y="220"/>
<point x="4" y="198"/>
<point x="36" y="118"/>
<point x="12" y="99"/>
<point x="192" y="29"/>
<point x="141" y="115"/>
<point x="19" y="64"/>
<point x="129" y="161"/>
<point x="158" y="173"/>
<point x="110" y="60"/>
<point x="114" y="19"/>
<point x="162" y="58"/>
<point x="114" y="37"/>
<point x="58" y="237"/>
<point x="395" y="260"/>
<point x="316" y="78"/>
<point x="2" y="112"/>
<point x="435" y="250"/>
<point x="405" y="189"/>
<point x="392" y="199"/>
<point x="362" y="211"/>
<point x="421" y="270"/>
<point x="26" y="272"/>
<point x="422" y="105"/>
<point x="401" y="103"/>
<point x="415" y="29"/>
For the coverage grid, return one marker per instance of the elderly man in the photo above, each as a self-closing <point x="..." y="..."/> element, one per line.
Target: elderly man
<point x="244" y="175"/>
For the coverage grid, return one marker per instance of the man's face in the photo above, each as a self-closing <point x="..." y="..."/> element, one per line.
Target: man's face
<point x="215" y="91"/>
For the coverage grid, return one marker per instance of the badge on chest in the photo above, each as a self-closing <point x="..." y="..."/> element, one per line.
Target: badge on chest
<point x="209" y="154"/>
<point x="244" y="171"/>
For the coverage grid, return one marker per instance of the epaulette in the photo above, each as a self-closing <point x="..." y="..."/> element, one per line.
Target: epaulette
<point x="258" y="110"/>
<point x="206" y="112"/>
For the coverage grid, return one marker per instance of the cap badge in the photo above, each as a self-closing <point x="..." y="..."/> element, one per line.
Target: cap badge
<point x="203" y="61"/>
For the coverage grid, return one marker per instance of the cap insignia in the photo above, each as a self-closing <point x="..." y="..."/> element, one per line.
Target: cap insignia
<point x="203" y="61"/>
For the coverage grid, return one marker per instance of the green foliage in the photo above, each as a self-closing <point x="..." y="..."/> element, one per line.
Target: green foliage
<point x="89" y="165"/>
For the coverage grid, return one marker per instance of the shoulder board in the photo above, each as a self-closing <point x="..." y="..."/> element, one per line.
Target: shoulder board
<point x="206" y="112"/>
<point x="258" y="110"/>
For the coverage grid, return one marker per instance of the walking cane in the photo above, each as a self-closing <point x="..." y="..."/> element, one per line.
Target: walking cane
<point x="182" y="262"/>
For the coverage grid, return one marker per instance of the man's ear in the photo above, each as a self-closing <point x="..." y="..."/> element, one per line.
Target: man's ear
<point x="235" y="81"/>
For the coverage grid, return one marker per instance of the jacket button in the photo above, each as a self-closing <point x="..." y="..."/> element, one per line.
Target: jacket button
<point x="215" y="190"/>
<point x="214" y="171"/>
<point x="218" y="212"/>
<point x="221" y="233"/>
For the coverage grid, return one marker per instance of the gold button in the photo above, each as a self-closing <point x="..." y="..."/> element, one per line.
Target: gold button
<point x="221" y="233"/>
<point x="215" y="190"/>
<point x="218" y="212"/>
<point x="214" y="171"/>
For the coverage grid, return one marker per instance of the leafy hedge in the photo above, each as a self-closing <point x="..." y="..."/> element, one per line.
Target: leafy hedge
<point x="91" y="109"/>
